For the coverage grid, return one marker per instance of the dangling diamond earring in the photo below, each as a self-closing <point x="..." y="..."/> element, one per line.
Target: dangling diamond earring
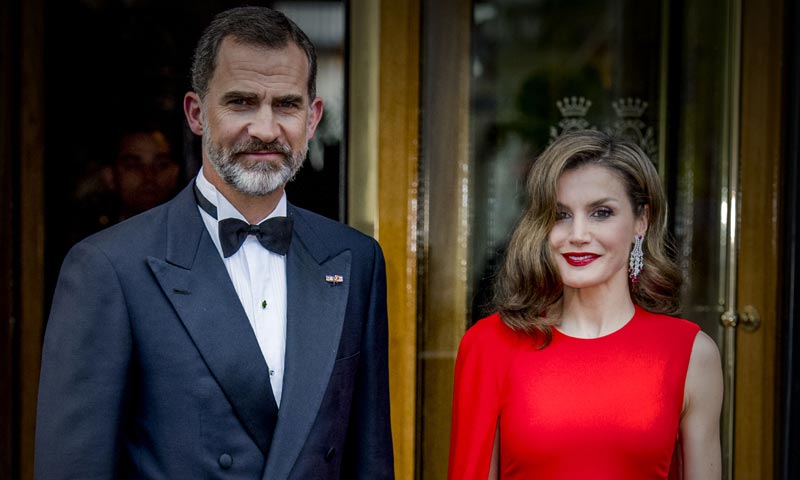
<point x="637" y="259"/>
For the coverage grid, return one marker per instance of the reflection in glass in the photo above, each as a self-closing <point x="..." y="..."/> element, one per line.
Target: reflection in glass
<point x="697" y="169"/>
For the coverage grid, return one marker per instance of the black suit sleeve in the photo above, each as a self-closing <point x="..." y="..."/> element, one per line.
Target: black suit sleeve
<point x="368" y="453"/>
<point x="85" y="362"/>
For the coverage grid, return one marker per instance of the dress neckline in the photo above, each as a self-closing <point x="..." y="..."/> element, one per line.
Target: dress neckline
<point x="618" y="331"/>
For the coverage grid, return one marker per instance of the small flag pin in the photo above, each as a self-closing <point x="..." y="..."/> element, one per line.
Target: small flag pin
<point x="334" y="279"/>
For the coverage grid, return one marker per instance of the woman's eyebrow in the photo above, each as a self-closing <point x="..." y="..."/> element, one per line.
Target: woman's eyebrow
<point x="603" y="201"/>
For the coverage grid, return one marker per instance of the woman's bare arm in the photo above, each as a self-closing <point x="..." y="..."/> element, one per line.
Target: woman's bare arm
<point x="701" y="414"/>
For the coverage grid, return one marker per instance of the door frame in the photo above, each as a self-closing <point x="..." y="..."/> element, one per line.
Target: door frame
<point x="22" y="245"/>
<point x="758" y="272"/>
<point x="383" y="181"/>
<point x="8" y="142"/>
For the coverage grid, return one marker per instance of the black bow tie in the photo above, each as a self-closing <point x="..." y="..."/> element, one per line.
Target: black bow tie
<point x="275" y="233"/>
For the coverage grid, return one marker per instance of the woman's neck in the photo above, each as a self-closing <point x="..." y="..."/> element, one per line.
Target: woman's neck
<point x="593" y="312"/>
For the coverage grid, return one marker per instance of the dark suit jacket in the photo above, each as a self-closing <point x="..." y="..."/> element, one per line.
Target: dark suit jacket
<point x="151" y="369"/>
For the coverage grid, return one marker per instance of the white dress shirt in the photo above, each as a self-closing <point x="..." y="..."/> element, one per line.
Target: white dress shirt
<point x="259" y="277"/>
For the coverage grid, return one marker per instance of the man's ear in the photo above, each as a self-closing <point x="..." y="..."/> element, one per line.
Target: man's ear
<point x="193" y="109"/>
<point x="314" y="116"/>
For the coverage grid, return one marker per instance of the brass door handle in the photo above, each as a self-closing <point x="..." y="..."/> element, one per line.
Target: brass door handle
<point x="750" y="318"/>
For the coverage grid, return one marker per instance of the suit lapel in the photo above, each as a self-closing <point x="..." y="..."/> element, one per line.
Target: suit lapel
<point x="195" y="280"/>
<point x="315" y="315"/>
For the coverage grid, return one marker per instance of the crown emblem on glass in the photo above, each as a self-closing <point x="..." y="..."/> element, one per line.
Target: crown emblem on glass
<point x="573" y="109"/>
<point x="574" y="106"/>
<point x="629" y="123"/>
<point x="629" y="107"/>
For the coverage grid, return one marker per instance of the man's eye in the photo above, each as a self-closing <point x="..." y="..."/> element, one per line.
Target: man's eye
<point x="237" y="101"/>
<point x="287" y="104"/>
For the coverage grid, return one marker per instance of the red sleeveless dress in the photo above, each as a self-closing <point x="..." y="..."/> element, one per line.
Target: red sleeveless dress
<point x="603" y="408"/>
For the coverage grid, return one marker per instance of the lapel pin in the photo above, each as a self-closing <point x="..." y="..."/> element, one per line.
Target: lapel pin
<point x="334" y="279"/>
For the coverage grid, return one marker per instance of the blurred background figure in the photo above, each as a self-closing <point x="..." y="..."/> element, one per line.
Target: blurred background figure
<point x="144" y="173"/>
<point x="140" y="172"/>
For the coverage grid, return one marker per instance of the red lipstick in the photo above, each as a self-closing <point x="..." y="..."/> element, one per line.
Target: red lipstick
<point x="579" y="259"/>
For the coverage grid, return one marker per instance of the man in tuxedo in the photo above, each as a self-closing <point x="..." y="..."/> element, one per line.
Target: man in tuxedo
<point x="226" y="333"/>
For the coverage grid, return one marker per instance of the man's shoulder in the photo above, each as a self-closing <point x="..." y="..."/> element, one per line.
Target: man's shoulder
<point x="134" y="233"/>
<point x="152" y="225"/>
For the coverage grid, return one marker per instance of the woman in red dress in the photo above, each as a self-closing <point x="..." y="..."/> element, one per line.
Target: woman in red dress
<point x="583" y="373"/>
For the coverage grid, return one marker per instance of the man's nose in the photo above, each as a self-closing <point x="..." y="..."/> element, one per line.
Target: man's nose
<point x="264" y="125"/>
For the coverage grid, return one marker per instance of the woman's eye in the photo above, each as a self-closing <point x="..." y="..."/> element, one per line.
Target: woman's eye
<point x="562" y="215"/>
<point x="603" y="213"/>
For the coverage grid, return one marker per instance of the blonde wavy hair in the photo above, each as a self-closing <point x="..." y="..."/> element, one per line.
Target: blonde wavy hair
<point x="529" y="282"/>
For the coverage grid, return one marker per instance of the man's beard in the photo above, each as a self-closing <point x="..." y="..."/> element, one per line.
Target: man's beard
<point x="253" y="177"/>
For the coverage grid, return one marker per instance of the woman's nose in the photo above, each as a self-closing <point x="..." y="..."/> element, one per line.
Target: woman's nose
<point x="579" y="233"/>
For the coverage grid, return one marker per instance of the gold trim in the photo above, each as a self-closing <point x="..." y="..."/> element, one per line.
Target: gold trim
<point x="383" y="162"/>
<point x="398" y="140"/>
<point x="760" y="147"/>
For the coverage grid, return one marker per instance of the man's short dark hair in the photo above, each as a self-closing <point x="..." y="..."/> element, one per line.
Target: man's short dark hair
<point x="255" y="26"/>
